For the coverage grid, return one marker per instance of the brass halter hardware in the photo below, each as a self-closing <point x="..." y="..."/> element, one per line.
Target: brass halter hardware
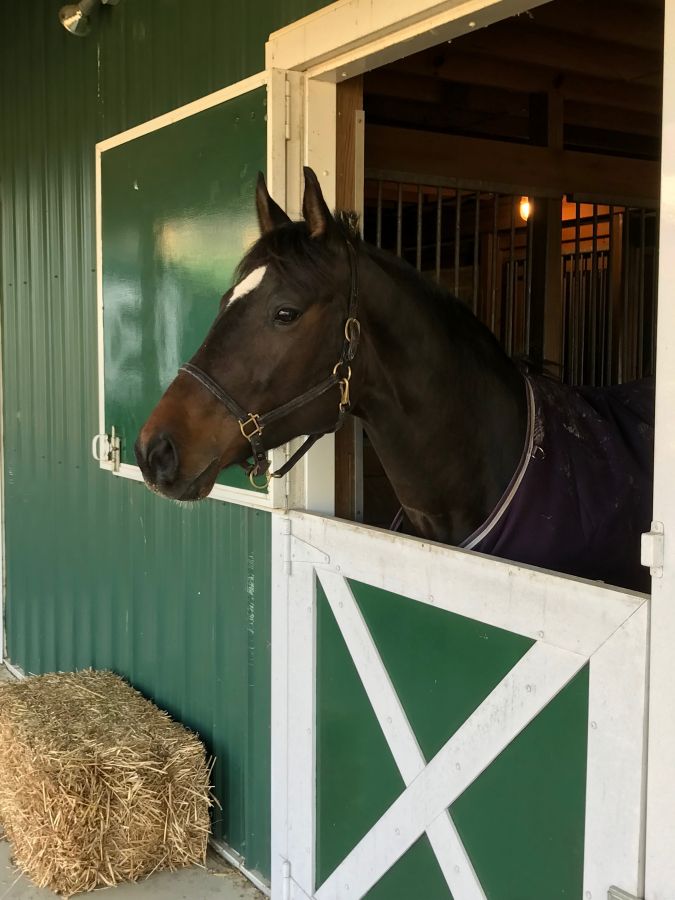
<point x="352" y="331"/>
<point x="343" y="384"/>
<point x="266" y="478"/>
<point x="253" y="419"/>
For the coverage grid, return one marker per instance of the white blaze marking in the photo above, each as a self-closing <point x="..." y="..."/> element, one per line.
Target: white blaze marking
<point x="248" y="284"/>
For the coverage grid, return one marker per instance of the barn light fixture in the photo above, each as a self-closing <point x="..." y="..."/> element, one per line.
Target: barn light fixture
<point x="75" y="16"/>
<point x="525" y="208"/>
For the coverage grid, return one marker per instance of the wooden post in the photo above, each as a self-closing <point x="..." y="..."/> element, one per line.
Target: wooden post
<point x="349" y="195"/>
<point x="546" y="312"/>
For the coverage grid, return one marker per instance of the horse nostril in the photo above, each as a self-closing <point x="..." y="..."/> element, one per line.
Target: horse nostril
<point x="162" y="459"/>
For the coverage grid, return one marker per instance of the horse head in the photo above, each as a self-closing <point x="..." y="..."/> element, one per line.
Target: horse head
<point x="277" y="336"/>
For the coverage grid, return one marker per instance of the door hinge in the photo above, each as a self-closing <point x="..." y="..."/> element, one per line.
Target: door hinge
<point x="615" y="893"/>
<point x="651" y="549"/>
<point x="290" y="889"/>
<point x="106" y="448"/>
<point x="287" y="108"/>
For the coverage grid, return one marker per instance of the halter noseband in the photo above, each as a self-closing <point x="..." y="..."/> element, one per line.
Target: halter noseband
<point x="252" y="424"/>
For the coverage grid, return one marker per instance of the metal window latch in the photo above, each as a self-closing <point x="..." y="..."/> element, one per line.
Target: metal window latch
<point x="651" y="547"/>
<point x="106" y="448"/>
<point x="615" y="893"/>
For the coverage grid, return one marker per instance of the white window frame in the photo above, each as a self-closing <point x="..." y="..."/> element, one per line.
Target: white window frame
<point x="304" y="487"/>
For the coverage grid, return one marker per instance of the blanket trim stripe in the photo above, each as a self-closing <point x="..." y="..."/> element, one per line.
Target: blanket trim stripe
<point x="514" y="484"/>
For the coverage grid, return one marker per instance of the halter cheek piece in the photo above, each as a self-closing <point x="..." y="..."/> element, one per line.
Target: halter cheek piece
<point x="252" y="424"/>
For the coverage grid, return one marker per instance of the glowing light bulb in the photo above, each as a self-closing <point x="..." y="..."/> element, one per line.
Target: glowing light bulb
<point x="525" y="208"/>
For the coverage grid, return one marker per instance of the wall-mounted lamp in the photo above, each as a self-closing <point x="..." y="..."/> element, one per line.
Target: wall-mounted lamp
<point x="75" y="16"/>
<point x="525" y="208"/>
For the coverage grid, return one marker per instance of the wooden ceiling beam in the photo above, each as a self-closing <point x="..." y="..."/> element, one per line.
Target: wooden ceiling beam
<point x="453" y="64"/>
<point x="522" y="41"/>
<point x="447" y="118"/>
<point x="427" y="91"/>
<point x="605" y="20"/>
<point x="538" y="171"/>
<point x="602" y="117"/>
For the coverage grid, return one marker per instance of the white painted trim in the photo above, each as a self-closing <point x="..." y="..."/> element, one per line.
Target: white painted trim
<point x="99" y="301"/>
<point x="616" y="767"/>
<point x="445" y="841"/>
<point x="565" y="612"/>
<point x="3" y="547"/>
<point x="319" y="152"/>
<point x="280" y="704"/>
<point x="532" y="683"/>
<point x="352" y="36"/>
<point x="301" y="759"/>
<point x="184" y="112"/>
<point x="236" y="861"/>
<point x="16" y="671"/>
<point x="660" y="837"/>
<point x="223" y="492"/>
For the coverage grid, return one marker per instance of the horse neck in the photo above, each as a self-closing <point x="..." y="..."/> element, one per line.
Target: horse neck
<point x="444" y="407"/>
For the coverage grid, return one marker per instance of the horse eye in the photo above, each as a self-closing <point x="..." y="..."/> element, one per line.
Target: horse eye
<point x="286" y="315"/>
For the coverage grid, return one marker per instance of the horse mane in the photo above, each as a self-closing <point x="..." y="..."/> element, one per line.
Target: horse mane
<point x="297" y="257"/>
<point x="309" y="263"/>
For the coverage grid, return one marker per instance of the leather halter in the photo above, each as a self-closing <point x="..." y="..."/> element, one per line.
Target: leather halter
<point x="252" y="424"/>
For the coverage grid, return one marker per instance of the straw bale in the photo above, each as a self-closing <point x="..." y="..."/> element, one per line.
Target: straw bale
<point x="98" y="785"/>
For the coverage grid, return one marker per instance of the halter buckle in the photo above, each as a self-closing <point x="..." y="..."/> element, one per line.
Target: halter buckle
<point x="252" y="420"/>
<point x="343" y="384"/>
<point x="267" y="476"/>
<point x="352" y="330"/>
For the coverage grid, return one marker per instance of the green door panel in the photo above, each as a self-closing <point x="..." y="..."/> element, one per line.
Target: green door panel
<point x="442" y="665"/>
<point x="356" y="776"/>
<point x="177" y="215"/>
<point x="522" y="820"/>
<point x="416" y="874"/>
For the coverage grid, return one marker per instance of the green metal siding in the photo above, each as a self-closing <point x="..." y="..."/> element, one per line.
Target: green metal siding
<point x="99" y="571"/>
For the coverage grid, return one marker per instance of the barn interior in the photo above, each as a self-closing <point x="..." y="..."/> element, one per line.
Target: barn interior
<point x="518" y="165"/>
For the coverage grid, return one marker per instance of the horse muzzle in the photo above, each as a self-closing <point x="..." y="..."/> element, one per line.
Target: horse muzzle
<point x="181" y="448"/>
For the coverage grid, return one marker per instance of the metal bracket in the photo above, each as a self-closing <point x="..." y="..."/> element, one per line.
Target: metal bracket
<point x="615" y="893"/>
<point x="106" y="448"/>
<point x="287" y="110"/>
<point x="651" y="549"/>
<point x="297" y="552"/>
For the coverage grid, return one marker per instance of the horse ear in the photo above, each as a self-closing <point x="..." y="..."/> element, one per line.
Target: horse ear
<point x="270" y="214"/>
<point x="314" y="208"/>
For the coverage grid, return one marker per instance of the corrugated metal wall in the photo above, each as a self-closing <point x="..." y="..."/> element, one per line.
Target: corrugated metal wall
<point x="99" y="571"/>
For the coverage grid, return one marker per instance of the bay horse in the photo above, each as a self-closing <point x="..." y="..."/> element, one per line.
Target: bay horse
<point x="318" y="324"/>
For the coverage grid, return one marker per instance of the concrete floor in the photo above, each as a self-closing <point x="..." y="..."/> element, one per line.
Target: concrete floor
<point x="218" y="882"/>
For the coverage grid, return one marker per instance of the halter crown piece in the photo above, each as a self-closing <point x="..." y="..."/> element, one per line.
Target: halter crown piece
<point x="252" y="424"/>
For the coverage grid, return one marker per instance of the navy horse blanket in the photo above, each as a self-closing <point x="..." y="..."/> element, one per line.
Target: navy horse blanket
<point x="582" y="494"/>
